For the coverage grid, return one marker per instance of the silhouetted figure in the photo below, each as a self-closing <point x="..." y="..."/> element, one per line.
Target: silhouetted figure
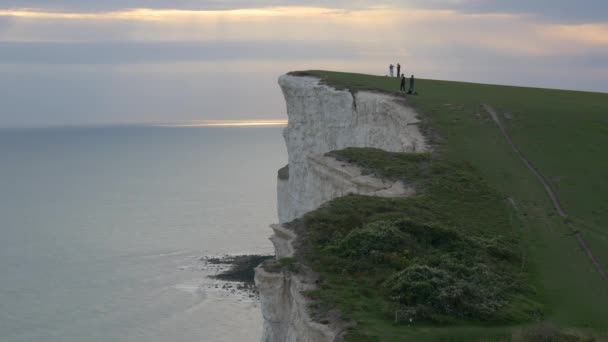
<point x="398" y="69"/>
<point x="390" y="68"/>
<point x="402" y="83"/>
<point x="411" y="91"/>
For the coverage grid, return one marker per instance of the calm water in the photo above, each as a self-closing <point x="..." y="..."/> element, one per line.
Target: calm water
<point x="102" y="229"/>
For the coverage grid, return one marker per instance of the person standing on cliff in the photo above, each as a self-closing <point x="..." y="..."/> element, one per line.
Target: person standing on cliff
<point x="402" y="83"/>
<point x="398" y="69"/>
<point x="411" y="91"/>
<point x="390" y="68"/>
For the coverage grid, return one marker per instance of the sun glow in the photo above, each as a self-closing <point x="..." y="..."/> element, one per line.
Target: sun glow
<point x="592" y="34"/>
<point x="224" y="123"/>
<point x="147" y="14"/>
<point x="371" y="27"/>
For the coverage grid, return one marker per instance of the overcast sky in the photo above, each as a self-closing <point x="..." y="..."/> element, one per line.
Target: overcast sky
<point x="74" y="62"/>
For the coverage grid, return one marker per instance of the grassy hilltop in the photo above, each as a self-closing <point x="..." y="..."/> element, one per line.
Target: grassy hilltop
<point x="480" y="253"/>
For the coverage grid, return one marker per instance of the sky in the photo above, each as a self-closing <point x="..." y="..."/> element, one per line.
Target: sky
<point x="98" y="62"/>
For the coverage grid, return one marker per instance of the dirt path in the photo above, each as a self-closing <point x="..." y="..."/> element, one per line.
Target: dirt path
<point x="552" y="195"/>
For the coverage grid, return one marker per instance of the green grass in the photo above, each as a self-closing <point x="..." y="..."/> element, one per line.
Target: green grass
<point x="457" y="227"/>
<point x="563" y="133"/>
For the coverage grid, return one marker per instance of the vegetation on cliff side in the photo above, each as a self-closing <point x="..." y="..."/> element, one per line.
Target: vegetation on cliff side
<point x="450" y="254"/>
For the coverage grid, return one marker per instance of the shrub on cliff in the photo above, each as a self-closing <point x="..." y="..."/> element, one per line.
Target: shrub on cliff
<point x="447" y="254"/>
<point x="437" y="273"/>
<point x="435" y="293"/>
<point x="375" y="244"/>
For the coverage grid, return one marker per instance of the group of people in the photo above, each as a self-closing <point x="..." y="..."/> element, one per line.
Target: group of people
<point x="391" y="69"/>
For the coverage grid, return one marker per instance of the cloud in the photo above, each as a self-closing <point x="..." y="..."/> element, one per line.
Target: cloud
<point x="558" y="11"/>
<point x="371" y="29"/>
<point x="561" y="11"/>
<point x="585" y="34"/>
<point x="138" y="52"/>
<point x="118" y="5"/>
<point x="117" y="64"/>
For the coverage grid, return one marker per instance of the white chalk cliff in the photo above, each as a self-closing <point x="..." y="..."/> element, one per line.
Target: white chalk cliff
<point x="323" y="119"/>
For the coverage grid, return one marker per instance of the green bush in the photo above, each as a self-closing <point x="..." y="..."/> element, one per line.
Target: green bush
<point x="447" y="255"/>
<point x="438" y="273"/>
<point x="437" y="292"/>
<point x="380" y="237"/>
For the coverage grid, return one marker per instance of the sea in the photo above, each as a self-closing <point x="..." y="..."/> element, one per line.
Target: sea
<point x="104" y="230"/>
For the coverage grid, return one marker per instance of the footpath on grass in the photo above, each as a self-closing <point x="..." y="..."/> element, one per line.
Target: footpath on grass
<point x="552" y="195"/>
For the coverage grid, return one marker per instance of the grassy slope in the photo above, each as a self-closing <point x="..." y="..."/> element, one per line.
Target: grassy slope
<point x="563" y="133"/>
<point x="454" y="198"/>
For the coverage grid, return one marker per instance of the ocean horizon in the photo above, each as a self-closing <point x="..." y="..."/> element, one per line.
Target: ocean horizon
<point x="104" y="227"/>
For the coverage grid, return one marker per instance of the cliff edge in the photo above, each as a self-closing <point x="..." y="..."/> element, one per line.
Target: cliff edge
<point x="324" y="119"/>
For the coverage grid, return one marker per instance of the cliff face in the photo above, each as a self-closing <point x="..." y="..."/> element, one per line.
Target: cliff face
<point x="323" y="119"/>
<point x="284" y="306"/>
